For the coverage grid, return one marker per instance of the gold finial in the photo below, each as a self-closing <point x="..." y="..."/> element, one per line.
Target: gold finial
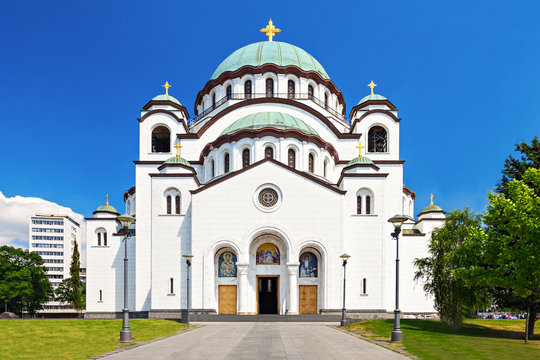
<point x="372" y="85"/>
<point x="107" y="196"/>
<point x="360" y="147"/>
<point x="431" y="200"/>
<point x="270" y="30"/>
<point x="166" y="86"/>
<point x="177" y="146"/>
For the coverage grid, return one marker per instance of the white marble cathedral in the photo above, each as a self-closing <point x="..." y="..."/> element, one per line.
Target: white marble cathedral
<point x="266" y="188"/>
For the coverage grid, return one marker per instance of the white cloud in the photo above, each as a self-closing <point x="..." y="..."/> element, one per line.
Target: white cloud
<point x="15" y="213"/>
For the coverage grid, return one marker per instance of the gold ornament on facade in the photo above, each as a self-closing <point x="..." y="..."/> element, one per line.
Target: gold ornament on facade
<point x="178" y="147"/>
<point x="360" y="147"/>
<point x="166" y="86"/>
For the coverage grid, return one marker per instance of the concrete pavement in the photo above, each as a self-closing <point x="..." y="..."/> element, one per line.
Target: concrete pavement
<point x="259" y="340"/>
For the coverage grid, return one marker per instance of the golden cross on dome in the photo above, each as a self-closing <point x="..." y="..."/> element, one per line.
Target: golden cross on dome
<point x="178" y="147"/>
<point x="166" y="86"/>
<point x="372" y="85"/>
<point x="270" y="30"/>
<point x="107" y="196"/>
<point x="431" y="197"/>
<point x="360" y="147"/>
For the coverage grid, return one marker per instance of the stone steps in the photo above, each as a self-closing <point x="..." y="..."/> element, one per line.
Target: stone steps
<point x="265" y="318"/>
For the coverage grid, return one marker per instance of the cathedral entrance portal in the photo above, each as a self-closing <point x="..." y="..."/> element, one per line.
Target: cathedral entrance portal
<point x="268" y="294"/>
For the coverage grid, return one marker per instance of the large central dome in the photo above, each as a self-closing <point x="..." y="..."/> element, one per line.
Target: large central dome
<point x="270" y="52"/>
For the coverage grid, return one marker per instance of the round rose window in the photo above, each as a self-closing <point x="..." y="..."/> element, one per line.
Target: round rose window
<point x="268" y="197"/>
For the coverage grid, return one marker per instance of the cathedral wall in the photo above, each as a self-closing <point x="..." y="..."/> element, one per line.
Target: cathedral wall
<point x="227" y="213"/>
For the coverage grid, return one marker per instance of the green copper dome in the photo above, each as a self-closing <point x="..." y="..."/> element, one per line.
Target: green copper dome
<point x="275" y="120"/>
<point x="371" y="97"/>
<point x="107" y="208"/>
<point x="164" y="97"/>
<point x="270" y="52"/>
<point x="177" y="160"/>
<point x="360" y="160"/>
<point x="431" y="207"/>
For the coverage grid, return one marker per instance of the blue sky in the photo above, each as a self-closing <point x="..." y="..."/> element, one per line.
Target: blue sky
<point x="74" y="75"/>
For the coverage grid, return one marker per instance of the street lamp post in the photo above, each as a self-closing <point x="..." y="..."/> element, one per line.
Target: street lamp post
<point x="126" y="221"/>
<point x="344" y="257"/>
<point x="188" y="258"/>
<point x="397" y="221"/>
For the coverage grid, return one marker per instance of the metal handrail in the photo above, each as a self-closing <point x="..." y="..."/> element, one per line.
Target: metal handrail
<point x="242" y="96"/>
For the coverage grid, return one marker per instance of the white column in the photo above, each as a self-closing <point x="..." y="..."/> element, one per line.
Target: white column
<point x="243" y="285"/>
<point x="293" y="288"/>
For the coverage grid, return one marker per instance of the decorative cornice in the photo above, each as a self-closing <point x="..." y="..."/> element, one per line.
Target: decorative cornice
<point x="176" y="176"/>
<point x="167" y="103"/>
<point x="129" y="192"/>
<point x="374" y="111"/>
<point x="259" y="133"/>
<point x="373" y="102"/>
<point x="163" y="111"/>
<point x="383" y="175"/>
<point x="273" y="68"/>
<point x="103" y="218"/>
<point x="409" y="192"/>
<point x="303" y="174"/>
<point x="272" y="100"/>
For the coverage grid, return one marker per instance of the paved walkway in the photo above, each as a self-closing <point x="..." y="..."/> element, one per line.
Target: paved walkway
<point x="259" y="340"/>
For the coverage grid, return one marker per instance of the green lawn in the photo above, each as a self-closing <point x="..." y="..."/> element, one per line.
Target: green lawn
<point x="478" y="339"/>
<point x="73" y="338"/>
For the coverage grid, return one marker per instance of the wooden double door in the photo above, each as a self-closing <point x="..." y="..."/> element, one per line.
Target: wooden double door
<point x="227" y="299"/>
<point x="308" y="299"/>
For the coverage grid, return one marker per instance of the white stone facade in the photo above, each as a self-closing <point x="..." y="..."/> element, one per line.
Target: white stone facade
<point x="219" y="208"/>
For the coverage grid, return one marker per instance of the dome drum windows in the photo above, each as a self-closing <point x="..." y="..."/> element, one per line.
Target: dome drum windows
<point x="161" y="140"/>
<point x="269" y="152"/>
<point x="311" y="163"/>
<point x="290" y="89"/>
<point x="291" y="158"/>
<point x="245" y="158"/>
<point x="247" y="89"/>
<point x="377" y="139"/>
<point x="269" y="87"/>
<point x="226" y="163"/>
<point x="228" y="92"/>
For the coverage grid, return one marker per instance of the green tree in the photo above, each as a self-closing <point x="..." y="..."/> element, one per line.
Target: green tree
<point x="512" y="246"/>
<point x="454" y="246"/>
<point x="74" y="272"/>
<point x="24" y="286"/>
<point x="514" y="168"/>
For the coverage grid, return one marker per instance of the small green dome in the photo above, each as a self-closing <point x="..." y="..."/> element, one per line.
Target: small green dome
<point x="177" y="160"/>
<point x="275" y="120"/>
<point x="371" y="97"/>
<point x="107" y="208"/>
<point x="360" y="160"/>
<point x="431" y="207"/>
<point x="270" y="52"/>
<point x="164" y="97"/>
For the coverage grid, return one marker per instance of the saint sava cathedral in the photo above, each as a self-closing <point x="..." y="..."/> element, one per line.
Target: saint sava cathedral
<point x="266" y="185"/>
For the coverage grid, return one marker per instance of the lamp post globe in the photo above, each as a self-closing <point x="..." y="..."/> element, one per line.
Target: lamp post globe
<point x="188" y="258"/>
<point x="125" y="220"/>
<point x="397" y="221"/>
<point x="344" y="257"/>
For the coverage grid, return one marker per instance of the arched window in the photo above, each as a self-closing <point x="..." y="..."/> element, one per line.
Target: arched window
<point x="311" y="163"/>
<point x="359" y="204"/>
<point x="368" y="205"/>
<point x="325" y="170"/>
<point x="377" y="139"/>
<point x="290" y="89"/>
<point x="269" y="87"/>
<point x="364" y="202"/>
<point x="326" y="100"/>
<point x="310" y="91"/>
<point x="245" y="158"/>
<point x="161" y="140"/>
<point x="228" y="91"/>
<point x="177" y="204"/>
<point x="292" y="158"/>
<point x="101" y="237"/>
<point x="269" y="152"/>
<point x="169" y="205"/>
<point x="308" y="265"/>
<point x="213" y="100"/>
<point x="212" y="172"/>
<point x="247" y="89"/>
<point x="226" y="165"/>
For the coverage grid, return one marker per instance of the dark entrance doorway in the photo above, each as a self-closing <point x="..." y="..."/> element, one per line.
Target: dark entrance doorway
<point x="268" y="294"/>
